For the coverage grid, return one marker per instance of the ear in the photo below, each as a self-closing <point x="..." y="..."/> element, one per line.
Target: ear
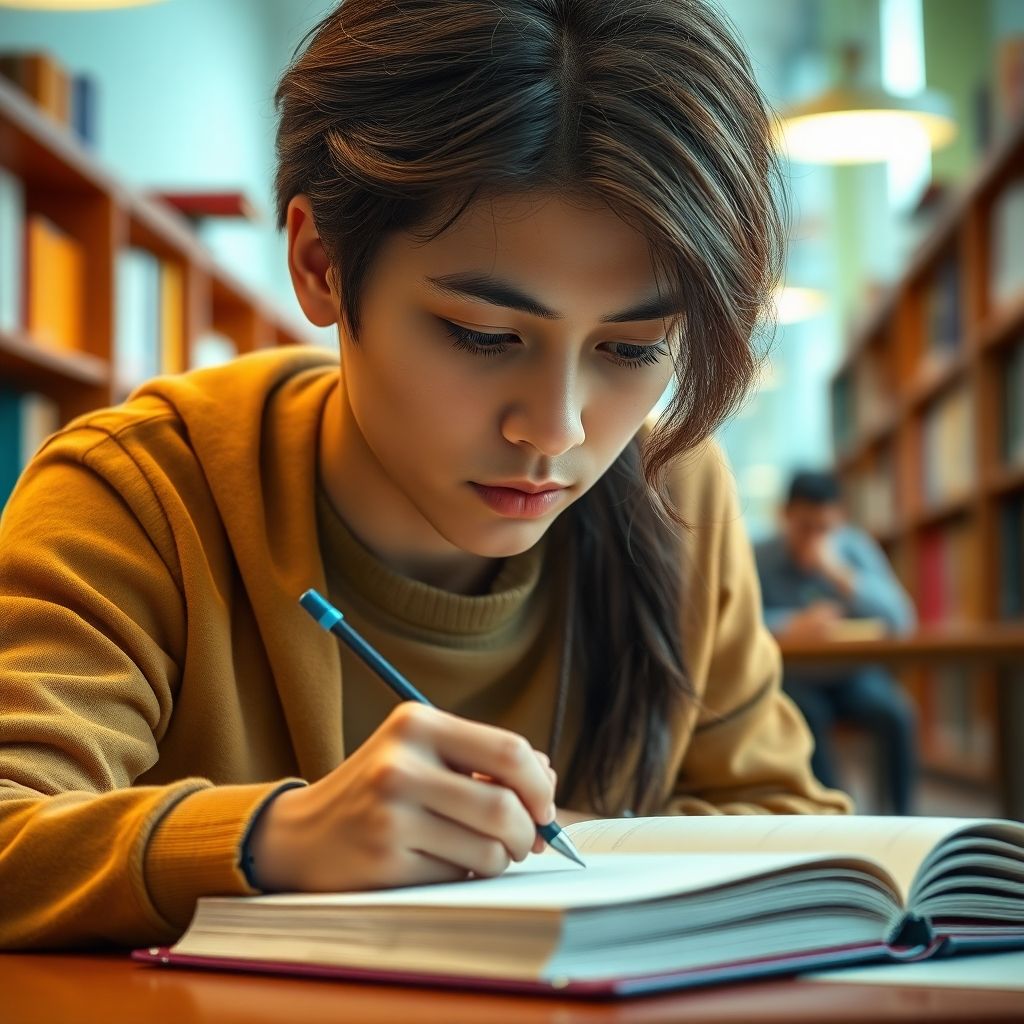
<point x="308" y="266"/>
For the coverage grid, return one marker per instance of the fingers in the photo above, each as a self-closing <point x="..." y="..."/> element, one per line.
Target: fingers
<point x="474" y="747"/>
<point x="483" y="807"/>
<point x="454" y="846"/>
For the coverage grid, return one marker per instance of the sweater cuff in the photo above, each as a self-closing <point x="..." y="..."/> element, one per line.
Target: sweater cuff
<point x="194" y="850"/>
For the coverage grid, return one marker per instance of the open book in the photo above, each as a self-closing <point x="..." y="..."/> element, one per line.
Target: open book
<point x="663" y="903"/>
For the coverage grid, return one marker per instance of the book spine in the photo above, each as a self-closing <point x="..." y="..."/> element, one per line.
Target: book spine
<point x="172" y="319"/>
<point x="133" y="330"/>
<point x="1013" y="408"/>
<point x="12" y="242"/>
<point x="1007" y="273"/>
<point x="27" y="419"/>
<point x="83" y="109"/>
<point x="55" y="286"/>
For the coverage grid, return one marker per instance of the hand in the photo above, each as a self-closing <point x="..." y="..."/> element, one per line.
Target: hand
<point x="813" y="621"/>
<point x="820" y="556"/>
<point x="815" y="553"/>
<point x="429" y="797"/>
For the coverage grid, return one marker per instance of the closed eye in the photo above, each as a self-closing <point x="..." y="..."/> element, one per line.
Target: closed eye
<point x="480" y="343"/>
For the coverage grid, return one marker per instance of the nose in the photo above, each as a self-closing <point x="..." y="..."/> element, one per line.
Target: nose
<point x="547" y="412"/>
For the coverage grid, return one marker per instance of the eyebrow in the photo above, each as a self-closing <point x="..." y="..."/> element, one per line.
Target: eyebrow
<point x="501" y="293"/>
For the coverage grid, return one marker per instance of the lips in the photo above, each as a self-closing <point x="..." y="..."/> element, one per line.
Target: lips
<point x="518" y="503"/>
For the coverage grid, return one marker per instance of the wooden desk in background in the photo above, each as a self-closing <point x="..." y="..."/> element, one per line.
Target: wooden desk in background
<point x="88" y="989"/>
<point x="989" y="644"/>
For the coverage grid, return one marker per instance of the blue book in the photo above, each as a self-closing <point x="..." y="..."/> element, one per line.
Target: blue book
<point x="83" y="109"/>
<point x="27" y="419"/>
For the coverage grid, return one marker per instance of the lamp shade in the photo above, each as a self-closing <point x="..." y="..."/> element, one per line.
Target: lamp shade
<point x="849" y="124"/>
<point x="792" y="304"/>
<point x="74" y="5"/>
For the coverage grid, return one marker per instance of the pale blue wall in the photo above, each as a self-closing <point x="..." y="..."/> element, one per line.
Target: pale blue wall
<point x="186" y="101"/>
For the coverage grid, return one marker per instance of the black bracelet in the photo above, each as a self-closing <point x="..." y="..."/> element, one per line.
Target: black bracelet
<point x="246" y="861"/>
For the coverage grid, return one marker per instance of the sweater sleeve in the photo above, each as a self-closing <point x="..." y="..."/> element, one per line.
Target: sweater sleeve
<point x="91" y="629"/>
<point x="750" y="749"/>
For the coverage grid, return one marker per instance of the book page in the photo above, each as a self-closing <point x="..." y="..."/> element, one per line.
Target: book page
<point x="901" y="844"/>
<point x="1004" y="971"/>
<point x="549" y="882"/>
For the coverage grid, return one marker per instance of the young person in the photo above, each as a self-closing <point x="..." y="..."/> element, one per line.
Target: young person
<point x="820" y="568"/>
<point x="525" y="218"/>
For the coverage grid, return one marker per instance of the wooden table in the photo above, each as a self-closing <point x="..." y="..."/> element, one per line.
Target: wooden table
<point x="992" y="644"/>
<point x="89" y="989"/>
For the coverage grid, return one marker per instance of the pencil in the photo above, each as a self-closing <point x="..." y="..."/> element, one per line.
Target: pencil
<point x="334" y="622"/>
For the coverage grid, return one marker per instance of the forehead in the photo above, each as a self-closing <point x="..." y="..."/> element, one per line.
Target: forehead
<point x="559" y="248"/>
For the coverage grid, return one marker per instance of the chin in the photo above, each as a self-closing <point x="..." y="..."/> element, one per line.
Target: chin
<point x="503" y="542"/>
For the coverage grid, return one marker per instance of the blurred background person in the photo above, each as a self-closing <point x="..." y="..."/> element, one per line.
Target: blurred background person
<point x="818" y="572"/>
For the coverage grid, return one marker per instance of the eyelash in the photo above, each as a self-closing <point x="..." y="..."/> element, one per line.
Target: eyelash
<point x="481" y="344"/>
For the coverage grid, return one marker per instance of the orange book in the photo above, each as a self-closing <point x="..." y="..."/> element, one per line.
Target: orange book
<point x="172" y="318"/>
<point x="54" y="284"/>
<point x="43" y="78"/>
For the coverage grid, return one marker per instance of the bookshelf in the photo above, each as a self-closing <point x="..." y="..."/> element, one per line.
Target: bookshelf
<point x="928" y="427"/>
<point x="63" y="324"/>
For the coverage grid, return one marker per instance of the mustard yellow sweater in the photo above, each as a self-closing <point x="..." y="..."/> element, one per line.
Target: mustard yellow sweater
<point x="159" y="680"/>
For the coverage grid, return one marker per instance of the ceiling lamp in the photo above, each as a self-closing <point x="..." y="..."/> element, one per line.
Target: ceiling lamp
<point x="792" y="304"/>
<point x="852" y="123"/>
<point x="74" y="5"/>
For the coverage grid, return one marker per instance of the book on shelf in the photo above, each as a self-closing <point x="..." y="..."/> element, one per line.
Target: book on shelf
<point x="943" y="326"/>
<point x="84" y="108"/>
<point x="137" y="318"/>
<point x="67" y="97"/>
<point x="173" y="335"/>
<point x="27" y="419"/>
<point x="1013" y="407"/>
<point x="1008" y="95"/>
<point x="1011" y="537"/>
<point x="12" y="244"/>
<point x="948" y="462"/>
<point x="151" y="334"/>
<point x="663" y="903"/>
<point x="946" y="590"/>
<point x="872" y="496"/>
<point x="1007" y="245"/>
<point x="42" y="78"/>
<point x="843" y="424"/>
<point x="54" y="284"/>
<point x="871" y="394"/>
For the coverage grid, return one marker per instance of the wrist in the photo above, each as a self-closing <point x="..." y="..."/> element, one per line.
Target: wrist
<point x="263" y="852"/>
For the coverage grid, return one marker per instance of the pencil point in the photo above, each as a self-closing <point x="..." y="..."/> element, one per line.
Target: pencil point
<point x="563" y="844"/>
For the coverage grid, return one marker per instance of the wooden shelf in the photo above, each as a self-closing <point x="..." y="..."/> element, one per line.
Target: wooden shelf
<point x="1006" y="480"/>
<point x="51" y="371"/>
<point x="1006" y="324"/>
<point x="48" y="158"/>
<point x="950" y="508"/>
<point x="930" y="384"/>
<point x="949" y="554"/>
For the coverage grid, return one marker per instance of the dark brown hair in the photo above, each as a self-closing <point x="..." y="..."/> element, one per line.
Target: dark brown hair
<point x="396" y="114"/>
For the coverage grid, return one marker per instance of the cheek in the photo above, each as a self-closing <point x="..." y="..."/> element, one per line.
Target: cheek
<point x="421" y="405"/>
<point x="621" y="404"/>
